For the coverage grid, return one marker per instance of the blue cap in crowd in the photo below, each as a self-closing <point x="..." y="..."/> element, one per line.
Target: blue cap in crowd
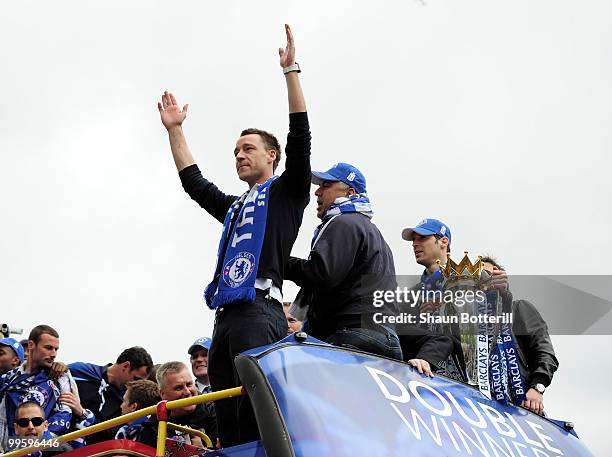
<point x="428" y="227"/>
<point x="15" y="346"/>
<point x="343" y="172"/>
<point x="202" y="342"/>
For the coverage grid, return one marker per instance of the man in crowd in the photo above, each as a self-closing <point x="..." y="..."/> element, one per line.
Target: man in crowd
<point x="31" y="381"/>
<point x="175" y="382"/>
<point x="30" y="421"/>
<point x="293" y="325"/>
<point x="11" y="354"/>
<point x="350" y="260"/>
<point x="138" y="395"/>
<point x="537" y="360"/>
<point x="198" y="356"/>
<point x="260" y="228"/>
<point x="31" y="425"/>
<point x="101" y="388"/>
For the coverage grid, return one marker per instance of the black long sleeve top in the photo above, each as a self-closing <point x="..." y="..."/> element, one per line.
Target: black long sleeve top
<point x="289" y="196"/>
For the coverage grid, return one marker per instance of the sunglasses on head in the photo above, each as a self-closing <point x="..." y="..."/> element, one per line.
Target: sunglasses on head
<point x="24" y="421"/>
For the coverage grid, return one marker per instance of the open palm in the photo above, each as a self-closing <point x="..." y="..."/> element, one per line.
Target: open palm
<point x="170" y="112"/>
<point x="287" y="55"/>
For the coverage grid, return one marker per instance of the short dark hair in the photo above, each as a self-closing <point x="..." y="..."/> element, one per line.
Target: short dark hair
<point x="269" y="140"/>
<point x="153" y="373"/>
<point x="25" y="404"/>
<point x="41" y="330"/>
<point x="493" y="261"/>
<point x="143" y="392"/>
<point x="137" y="356"/>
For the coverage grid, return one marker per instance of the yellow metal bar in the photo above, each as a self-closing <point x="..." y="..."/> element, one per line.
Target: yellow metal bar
<point x="181" y="428"/>
<point x="121" y="420"/>
<point x="162" y="432"/>
<point x="221" y="394"/>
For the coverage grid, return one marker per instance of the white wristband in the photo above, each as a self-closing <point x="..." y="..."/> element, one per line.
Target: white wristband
<point x="295" y="67"/>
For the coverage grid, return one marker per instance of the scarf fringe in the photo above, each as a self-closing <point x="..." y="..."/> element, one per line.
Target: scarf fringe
<point x="233" y="296"/>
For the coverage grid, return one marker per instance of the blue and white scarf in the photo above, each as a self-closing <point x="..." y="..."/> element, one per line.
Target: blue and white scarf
<point x="130" y="431"/>
<point x="16" y="387"/>
<point x="239" y="249"/>
<point x="356" y="203"/>
<point x="88" y="420"/>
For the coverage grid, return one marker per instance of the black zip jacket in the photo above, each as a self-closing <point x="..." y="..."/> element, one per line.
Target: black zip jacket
<point x="537" y="358"/>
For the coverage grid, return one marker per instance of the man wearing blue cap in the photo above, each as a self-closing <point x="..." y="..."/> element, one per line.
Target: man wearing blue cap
<point x="431" y="239"/>
<point x="11" y="354"/>
<point x="347" y="248"/>
<point x="198" y="356"/>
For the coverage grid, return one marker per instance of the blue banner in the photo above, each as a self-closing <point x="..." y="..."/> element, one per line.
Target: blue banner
<point x="339" y="403"/>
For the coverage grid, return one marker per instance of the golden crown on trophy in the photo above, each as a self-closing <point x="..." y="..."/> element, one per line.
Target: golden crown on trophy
<point x="464" y="270"/>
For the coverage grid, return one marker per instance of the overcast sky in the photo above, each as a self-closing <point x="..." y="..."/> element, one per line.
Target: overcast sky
<point x="492" y="117"/>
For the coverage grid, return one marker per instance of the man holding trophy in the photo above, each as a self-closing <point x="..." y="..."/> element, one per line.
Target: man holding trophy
<point x="475" y="307"/>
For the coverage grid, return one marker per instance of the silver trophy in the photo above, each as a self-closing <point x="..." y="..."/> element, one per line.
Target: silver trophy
<point x="473" y="308"/>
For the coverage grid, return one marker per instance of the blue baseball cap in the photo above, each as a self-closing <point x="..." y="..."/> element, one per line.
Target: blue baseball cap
<point x="428" y="227"/>
<point x="202" y="342"/>
<point x="15" y="346"/>
<point x="344" y="172"/>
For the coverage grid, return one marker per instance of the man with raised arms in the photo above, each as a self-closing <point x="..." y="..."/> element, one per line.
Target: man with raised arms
<point x="259" y="229"/>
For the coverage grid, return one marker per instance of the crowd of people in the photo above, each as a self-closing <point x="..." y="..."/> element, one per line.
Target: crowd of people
<point x="41" y="398"/>
<point x="348" y="262"/>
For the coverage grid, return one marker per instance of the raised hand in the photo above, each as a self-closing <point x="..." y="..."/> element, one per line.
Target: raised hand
<point x="287" y="55"/>
<point x="171" y="114"/>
